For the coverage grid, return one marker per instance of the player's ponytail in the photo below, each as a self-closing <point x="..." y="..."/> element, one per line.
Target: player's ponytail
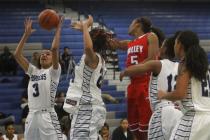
<point x="196" y="60"/>
<point x="159" y="33"/>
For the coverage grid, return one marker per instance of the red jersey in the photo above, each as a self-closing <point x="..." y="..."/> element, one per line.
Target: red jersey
<point x="137" y="52"/>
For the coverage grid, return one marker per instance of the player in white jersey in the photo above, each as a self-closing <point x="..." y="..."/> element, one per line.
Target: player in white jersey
<point x="163" y="77"/>
<point x="192" y="88"/>
<point x="42" y="122"/>
<point x="83" y="100"/>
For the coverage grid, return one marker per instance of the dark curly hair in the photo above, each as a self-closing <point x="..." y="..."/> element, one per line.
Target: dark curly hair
<point x="146" y="26"/>
<point x="196" y="60"/>
<point x="145" y="22"/>
<point x="100" y="38"/>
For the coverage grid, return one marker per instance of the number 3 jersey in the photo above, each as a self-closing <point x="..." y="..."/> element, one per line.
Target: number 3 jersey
<point x="42" y="87"/>
<point x="137" y="52"/>
<point x="85" y="87"/>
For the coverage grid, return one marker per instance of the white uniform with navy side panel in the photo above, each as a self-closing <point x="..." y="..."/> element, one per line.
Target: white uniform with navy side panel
<point x="84" y="101"/>
<point x="164" y="116"/>
<point x="42" y="122"/>
<point x="195" y="124"/>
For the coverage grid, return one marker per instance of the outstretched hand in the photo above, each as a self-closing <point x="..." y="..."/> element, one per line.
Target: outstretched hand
<point x="28" y="26"/>
<point x="60" y="21"/>
<point x="89" y="21"/>
<point x="114" y="43"/>
<point x="78" y="25"/>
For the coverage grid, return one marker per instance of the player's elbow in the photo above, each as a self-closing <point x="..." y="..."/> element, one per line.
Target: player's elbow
<point x="181" y="95"/>
<point x="16" y="55"/>
<point x="54" y="49"/>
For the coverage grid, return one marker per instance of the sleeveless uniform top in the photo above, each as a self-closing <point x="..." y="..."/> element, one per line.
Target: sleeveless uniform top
<point x="85" y="87"/>
<point x="42" y="87"/>
<point x="166" y="81"/>
<point x="137" y="52"/>
<point x="198" y="96"/>
<point x="14" y="138"/>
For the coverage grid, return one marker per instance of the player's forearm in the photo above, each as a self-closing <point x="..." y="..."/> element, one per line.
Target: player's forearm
<point x="19" y="49"/>
<point x="56" y="40"/>
<point x="121" y="45"/>
<point x="55" y="48"/>
<point x="134" y="70"/>
<point x="173" y="96"/>
<point x="87" y="39"/>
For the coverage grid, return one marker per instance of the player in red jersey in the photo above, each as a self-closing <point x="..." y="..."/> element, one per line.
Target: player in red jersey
<point x="144" y="47"/>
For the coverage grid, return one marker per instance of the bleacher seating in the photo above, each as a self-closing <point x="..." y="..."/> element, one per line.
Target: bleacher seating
<point x="11" y="91"/>
<point x="170" y="17"/>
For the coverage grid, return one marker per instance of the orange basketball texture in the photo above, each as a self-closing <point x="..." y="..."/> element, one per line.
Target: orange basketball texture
<point x="48" y="19"/>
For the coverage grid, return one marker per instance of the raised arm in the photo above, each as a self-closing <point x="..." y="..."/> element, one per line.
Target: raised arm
<point x="90" y="59"/>
<point x="114" y="43"/>
<point x="18" y="54"/>
<point x="149" y="66"/>
<point x="56" y="45"/>
<point x="117" y="44"/>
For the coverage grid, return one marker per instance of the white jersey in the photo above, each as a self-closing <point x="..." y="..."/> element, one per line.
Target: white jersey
<point x="160" y="126"/>
<point x="14" y="138"/>
<point x="42" y="87"/>
<point x="85" y="87"/>
<point x="166" y="81"/>
<point x="198" y="96"/>
<point x="195" y="123"/>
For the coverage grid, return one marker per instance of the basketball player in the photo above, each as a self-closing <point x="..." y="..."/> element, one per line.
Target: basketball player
<point x="83" y="99"/>
<point x="41" y="122"/>
<point x="164" y="73"/>
<point x="192" y="88"/>
<point x="144" y="47"/>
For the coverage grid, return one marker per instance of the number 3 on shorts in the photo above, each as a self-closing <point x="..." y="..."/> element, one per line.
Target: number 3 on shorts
<point x="134" y="60"/>
<point x="36" y="89"/>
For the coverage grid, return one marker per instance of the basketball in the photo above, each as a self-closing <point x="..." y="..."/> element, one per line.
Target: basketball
<point x="48" y="19"/>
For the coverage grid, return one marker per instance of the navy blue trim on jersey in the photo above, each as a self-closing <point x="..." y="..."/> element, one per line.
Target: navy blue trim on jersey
<point x="53" y="89"/>
<point x="187" y="102"/>
<point x="56" y="125"/>
<point x="81" y="128"/>
<point x="153" y="92"/>
<point x="155" y="129"/>
<point x="184" y="129"/>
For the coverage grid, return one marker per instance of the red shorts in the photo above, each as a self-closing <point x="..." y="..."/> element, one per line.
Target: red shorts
<point x="139" y="111"/>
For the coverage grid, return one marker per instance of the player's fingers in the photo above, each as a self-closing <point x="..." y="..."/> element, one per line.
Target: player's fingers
<point x="33" y="30"/>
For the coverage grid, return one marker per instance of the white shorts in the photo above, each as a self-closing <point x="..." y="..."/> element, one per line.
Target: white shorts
<point x="192" y="126"/>
<point x="162" y="122"/>
<point x="87" y="121"/>
<point x="42" y="125"/>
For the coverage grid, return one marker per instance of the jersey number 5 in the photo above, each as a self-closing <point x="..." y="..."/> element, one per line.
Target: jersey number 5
<point x="134" y="60"/>
<point x="36" y="90"/>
